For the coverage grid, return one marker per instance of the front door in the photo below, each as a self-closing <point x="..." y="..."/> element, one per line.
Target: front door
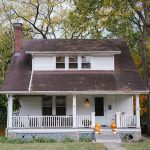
<point x="100" y="111"/>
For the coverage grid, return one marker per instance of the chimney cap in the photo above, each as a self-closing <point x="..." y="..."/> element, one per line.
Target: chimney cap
<point x="17" y="24"/>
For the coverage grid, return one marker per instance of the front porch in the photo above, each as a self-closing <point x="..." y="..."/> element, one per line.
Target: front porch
<point x="77" y="114"/>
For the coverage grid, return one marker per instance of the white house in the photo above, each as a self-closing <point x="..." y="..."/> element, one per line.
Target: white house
<point x="68" y="85"/>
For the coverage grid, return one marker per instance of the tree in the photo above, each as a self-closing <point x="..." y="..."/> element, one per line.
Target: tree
<point x="5" y="55"/>
<point x="41" y="18"/>
<point x="5" y="51"/>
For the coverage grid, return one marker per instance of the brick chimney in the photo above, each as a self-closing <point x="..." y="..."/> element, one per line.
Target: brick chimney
<point x="18" y="37"/>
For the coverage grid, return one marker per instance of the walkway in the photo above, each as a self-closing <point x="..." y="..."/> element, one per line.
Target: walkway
<point x="113" y="146"/>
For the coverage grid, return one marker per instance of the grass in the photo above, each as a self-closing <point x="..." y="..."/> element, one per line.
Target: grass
<point x="45" y="144"/>
<point x="142" y="145"/>
<point x="53" y="146"/>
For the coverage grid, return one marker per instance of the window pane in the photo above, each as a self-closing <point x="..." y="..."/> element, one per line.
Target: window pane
<point x="60" y="59"/>
<point x="61" y="111"/>
<point x="47" y="101"/>
<point x="60" y="101"/>
<point x="47" y="111"/>
<point x="60" y="65"/>
<point x="72" y="58"/>
<point x="86" y="65"/>
<point x="86" y="59"/>
<point x="73" y="65"/>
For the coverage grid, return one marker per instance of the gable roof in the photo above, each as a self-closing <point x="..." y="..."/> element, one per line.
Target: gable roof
<point x="124" y="78"/>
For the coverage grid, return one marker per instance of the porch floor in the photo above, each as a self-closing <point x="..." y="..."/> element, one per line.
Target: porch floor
<point x="49" y="130"/>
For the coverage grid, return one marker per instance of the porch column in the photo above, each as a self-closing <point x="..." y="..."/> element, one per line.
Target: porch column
<point x="9" y="110"/>
<point x="93" y="119"/>
<point x="53" y="105"/>
<point x="74" y="110"/>
<point x="137" y="112"/>
<point x="118" y="119"/>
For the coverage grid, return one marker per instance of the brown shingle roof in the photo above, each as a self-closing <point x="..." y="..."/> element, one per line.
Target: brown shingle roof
<point x="86" y="81"/>
<point x="70" y="45"/>
<point x="73" y="81"/>
<point x="124" y="78"/>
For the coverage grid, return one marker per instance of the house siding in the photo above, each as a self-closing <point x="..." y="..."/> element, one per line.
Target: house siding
<point x="43" y="63"/>
<point x="49" y="63"/>
<point x="102" y="63"/>
<point x="30" y="106"/>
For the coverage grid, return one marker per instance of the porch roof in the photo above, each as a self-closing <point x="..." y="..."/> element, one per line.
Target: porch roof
<point x="86" y="81"/>
<point x="125" y="78"/>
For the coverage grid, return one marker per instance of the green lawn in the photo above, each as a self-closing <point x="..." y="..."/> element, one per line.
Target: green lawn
<point x="53" y="146"/>
<point x="145" y="145"/>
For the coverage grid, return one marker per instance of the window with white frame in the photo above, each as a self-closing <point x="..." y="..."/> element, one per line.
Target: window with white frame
<point x="60" y="105"/>
<point x="86" y="62"/>
<point x="47" y="105"/>
<point x="73" y="62"/>
<point x="60" y="62"/>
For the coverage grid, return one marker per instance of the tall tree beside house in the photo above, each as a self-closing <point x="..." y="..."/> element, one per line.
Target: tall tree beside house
<point x="5" y="51"/>
<point x="5" y="55"/>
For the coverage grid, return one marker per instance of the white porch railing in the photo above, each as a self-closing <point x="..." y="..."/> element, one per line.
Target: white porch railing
<point x="42" y="121"/>
<point x="125" y="120"/>
<point x="84" y="121"/>
<point x="51" y="121"/>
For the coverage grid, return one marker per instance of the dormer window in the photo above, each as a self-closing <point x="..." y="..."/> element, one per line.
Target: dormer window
<point x="60" y="62"/>
<point x="86" y="62"/>
<point x="73" y="62"/>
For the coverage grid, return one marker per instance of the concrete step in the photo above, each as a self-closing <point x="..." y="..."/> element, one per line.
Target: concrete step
<point x="107" y="137"/>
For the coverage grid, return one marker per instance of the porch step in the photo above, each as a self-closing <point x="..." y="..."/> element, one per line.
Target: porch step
<point x="107" y="136"/>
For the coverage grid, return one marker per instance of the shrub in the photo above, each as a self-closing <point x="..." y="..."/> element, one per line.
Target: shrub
<point x="19" y="141"/>
<point x="68" y="139"/>
<point x="85" y="139"/>
<point x="43" y="140"/>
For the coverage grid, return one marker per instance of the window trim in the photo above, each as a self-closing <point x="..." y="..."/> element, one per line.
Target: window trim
<point x="78" y="63"/>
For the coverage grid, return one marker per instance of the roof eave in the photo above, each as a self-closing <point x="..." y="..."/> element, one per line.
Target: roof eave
<point x="105" y="53"/>
<point x="75" y="92"/>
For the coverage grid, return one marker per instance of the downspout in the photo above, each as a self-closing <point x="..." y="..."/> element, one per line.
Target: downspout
<point x="30" y="83"/>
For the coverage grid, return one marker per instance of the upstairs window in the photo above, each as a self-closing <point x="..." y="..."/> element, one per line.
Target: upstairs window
<point x="86" y="62"/>
<point x="60" y="62"/>
<point x="73" y="64"/>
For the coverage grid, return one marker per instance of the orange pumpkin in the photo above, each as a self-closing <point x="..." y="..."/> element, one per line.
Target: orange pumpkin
<point x="96" y="129"/>
<point x="113" y="125"/>
<point x="98" y="125"/>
